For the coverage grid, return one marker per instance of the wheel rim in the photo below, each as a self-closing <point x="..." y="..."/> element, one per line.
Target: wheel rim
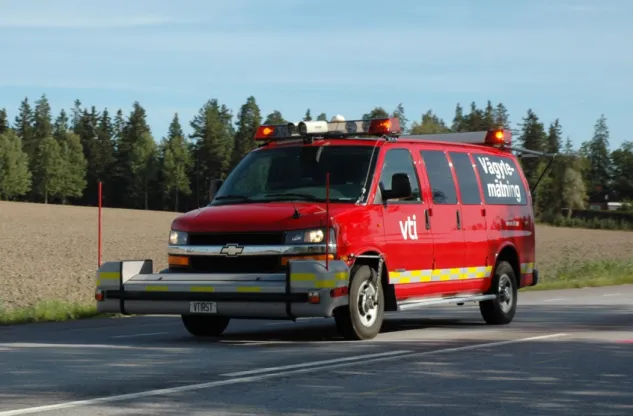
<point x="505" y="293"/>
<point x="367" y="302"/>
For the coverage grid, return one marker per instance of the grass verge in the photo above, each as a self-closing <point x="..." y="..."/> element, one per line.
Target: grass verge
<point x="50" y="311"/>
<point x="588" y="274"/>
<point x="571" y="276"/>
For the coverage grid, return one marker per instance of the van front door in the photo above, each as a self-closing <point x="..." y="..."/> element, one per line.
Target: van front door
<point x="409" y="244"/>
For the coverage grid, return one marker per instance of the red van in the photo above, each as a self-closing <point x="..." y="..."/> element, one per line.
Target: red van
<point x="344" y="219"/>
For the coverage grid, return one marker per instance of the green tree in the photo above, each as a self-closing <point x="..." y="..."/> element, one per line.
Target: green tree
<point x="623" y="171"/>
<point x="24" y="127"/>
<point x="15" y="176"/>
<point x="74" y="164"/>
<point x="501" y="116"/>
<point x="4" y="121"/>
<point x="596" y="151"/>
<point x="377" y="112"/>
<point x="42" y="119"/>
<point x="61" y="125"/>
<point x="307" y="117"/>
<point x="143" y="165"/>
<point x="430" y="124"/>
<point x="50" y="169"/>
<point x="532" y="136"/>
<point x="458" y="119"/>
<point x="248" y="121"/>
<point x="322" y="117"/>
<point x="402" y="118"/>
<point x="275" y="118"/>
<point x="176" y="162"/>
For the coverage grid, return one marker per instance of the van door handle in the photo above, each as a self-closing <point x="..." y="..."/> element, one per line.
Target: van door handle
<point x="426" y="219"/>
<point x="459" y="221"/>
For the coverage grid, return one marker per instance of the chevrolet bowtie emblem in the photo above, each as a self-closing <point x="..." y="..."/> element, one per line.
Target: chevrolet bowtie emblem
<point x="231" y="250"/>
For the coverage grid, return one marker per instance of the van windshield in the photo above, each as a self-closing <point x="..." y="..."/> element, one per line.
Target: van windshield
<point x="299" y="173"/>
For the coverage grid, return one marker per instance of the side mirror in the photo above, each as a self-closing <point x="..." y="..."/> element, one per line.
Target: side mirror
<point x="214" y="188"/>
<point x="400" y="187"/>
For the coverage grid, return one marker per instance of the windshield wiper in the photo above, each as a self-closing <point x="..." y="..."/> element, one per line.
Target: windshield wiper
<point x="242" y="197"/>
<point x="293" y="195"/>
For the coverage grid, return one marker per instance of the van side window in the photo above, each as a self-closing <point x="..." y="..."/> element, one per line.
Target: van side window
<point x="501" y="180"/>
<point x="440" y="177"/>
<point x="466" y="179"/>
<point x="400" y="161"/>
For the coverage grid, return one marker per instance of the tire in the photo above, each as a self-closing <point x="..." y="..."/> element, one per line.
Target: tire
<point x="205" y="326"/>
<point x="501" y="311"/>
<point x="352" y="320"/>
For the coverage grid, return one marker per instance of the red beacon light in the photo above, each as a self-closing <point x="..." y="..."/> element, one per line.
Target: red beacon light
<point x="498" y="137"/>
<point x="381" y="126"/>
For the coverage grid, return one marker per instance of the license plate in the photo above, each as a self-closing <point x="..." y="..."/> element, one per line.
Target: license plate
<point x="202" y="307"/>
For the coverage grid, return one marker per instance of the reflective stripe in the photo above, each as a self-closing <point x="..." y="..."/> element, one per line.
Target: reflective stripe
<point x="249" y="289"/>
<point x="156" y="288"/>
<point x="446" y="275"/>
<point x="109" y="275"/>
<point x="201" y="289"/>
<point x="317" y="281"/>
<point x="527" y="268"/>
<point x="439" y="275"/>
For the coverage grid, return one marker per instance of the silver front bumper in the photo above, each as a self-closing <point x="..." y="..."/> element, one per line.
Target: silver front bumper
<point x="306" y="290"/>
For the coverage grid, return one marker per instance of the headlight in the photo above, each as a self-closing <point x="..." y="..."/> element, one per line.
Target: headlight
<point x="177" y="238"/>
<point x="313" y="236"/>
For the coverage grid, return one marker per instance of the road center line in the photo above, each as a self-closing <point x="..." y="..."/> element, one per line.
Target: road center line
<point x="308" y="367"/>
<point x="140" y="335"/>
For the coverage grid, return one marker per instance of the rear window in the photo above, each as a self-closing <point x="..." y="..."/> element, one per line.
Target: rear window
<point x="501" y="180"/>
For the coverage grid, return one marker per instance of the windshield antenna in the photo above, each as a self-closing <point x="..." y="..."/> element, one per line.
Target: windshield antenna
<point x="364" y="188"/>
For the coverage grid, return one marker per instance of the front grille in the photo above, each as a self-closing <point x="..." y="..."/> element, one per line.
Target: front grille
<point x="252" y="239"/>
<point x="244" y="264"/>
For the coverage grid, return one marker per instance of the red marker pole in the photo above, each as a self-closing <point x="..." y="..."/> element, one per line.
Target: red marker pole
<point x="99" y="232"/>
<point x="327" y="220"/>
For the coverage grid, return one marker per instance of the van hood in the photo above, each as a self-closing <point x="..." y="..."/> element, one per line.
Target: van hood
<point x="272" y="216"/>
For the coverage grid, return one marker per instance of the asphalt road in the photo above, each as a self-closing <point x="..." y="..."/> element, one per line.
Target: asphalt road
<point x="567" y="353"/>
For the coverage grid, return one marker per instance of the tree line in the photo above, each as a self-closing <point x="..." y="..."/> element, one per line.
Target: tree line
<point x="61" y="159"/>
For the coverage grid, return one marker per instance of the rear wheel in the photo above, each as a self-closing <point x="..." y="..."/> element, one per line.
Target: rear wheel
<point x="501" y="311"/>
<point x="205" y="326"/>
<point x="362" y="318"/>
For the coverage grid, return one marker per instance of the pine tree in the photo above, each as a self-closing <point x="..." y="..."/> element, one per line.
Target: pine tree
<point x="400" y="115"/>
<point x="488" y="122"/>
<point x="275" y="118"/>
<point x="42" y="119"/>
<point x="50" y="169"/>
<point x="4" y="121"/>
<point x="597" y="153"/>
<point x="377" y="112"/>
<point x="176" y="163"/>
<point x="143" y="165"/>
<point x="75" y="166"/>
<point x="322" y="117"/>
<point x="502" y="118"/>
<point x="554" y="137"/>
<point x="248" y="120"/>
<point x="307" y="117"/>
<point x="24" y="127"/>
<point x="532" y="137"/>
<point x="430" y="124"/>
<point x="458" y="119"/>
<point x="15" y="176"/>
<point x="61" y="125"/>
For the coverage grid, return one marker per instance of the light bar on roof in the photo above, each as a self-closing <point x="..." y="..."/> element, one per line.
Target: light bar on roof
<point x="498" y="137"/>
<point x="375" y="127"/>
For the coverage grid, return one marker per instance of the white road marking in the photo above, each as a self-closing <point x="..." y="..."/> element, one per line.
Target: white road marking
<point x="92" y="346"/>
<point x="554" y="300"/>
<point x="316" y="363"/>
<point x="259" y="377"/>
<point x="140" y="335"/>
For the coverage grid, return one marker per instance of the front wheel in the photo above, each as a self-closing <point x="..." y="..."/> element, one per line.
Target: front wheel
<point x="500" y="311"/>
<point x="205" y="326"/>
<point x="362" y="318"/>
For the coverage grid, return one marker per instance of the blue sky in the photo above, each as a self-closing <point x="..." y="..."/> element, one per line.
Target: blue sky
<point x="562" y="58"/>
